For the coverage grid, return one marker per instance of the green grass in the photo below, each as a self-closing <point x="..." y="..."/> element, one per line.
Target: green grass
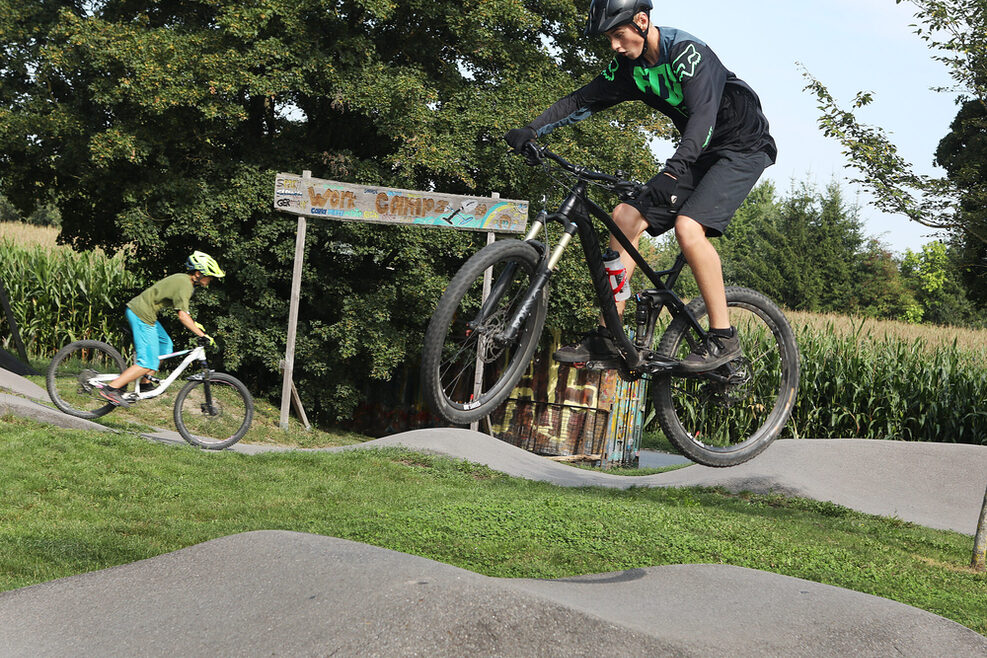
<point x="76" y="501"/>
<point x="628" y="470"/>
<point x="655" y="440"/>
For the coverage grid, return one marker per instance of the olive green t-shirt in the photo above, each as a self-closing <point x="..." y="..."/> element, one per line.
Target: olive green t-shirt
<point x="173" y="291"/>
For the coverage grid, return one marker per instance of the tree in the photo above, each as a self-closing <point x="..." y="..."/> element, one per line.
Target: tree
<point x="934" y="276"/>
<point x="8" y="213"/>
<point x="803" y="250"/>
<point x="880" y="289"/>
<point x="161" y="125"/>
<point x="958" y="30"/>
<point x="963" y="154"/>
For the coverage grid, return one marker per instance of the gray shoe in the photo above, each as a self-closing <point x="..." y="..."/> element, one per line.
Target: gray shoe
<point x="717" y="350"/>
<point x="114" y="396"/>
<point x="596" y="346"/>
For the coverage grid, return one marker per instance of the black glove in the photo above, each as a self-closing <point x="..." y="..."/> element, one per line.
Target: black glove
<point x="518" y="137"/>
<point x="661" y="190"/>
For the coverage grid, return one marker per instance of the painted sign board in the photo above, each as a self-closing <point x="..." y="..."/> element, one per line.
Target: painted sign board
<point x="314" y="197"/>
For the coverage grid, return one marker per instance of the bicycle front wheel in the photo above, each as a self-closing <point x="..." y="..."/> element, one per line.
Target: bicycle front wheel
<point x="76" y="373"/>
<point x="728" y="416"/>
<point x="467" y="334"/>
<point x="214" y="414"/>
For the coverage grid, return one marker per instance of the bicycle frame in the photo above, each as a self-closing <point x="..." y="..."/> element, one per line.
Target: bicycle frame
<point x="719" y="412"/>
<point x="194" y="354"/>
<point x="572" y="215"/>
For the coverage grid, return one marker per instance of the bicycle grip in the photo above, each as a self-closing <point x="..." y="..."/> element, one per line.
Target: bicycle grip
<point x="531" y="153"/>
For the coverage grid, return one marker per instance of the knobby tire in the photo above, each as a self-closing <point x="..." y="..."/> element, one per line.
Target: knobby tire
<point x="725" y="424"/>
<point x="449" y="357"/>
<point x="67" y="373"/>
<point x="221" y="425"/>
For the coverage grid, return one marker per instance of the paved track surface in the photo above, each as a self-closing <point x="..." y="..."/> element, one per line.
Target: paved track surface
<point x="283" y="593"/>
<point x="938" y="485"/>
<point x="21" y="386"/>
<point x="12" y="404"/>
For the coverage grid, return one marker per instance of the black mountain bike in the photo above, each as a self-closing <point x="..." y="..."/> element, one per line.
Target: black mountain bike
<point x="718" y="418"/>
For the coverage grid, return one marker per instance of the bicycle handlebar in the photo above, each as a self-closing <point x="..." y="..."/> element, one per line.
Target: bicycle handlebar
<point x="536" y="153"/>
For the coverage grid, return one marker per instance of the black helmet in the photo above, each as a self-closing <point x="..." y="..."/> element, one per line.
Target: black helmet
<point x="607" y="14"/>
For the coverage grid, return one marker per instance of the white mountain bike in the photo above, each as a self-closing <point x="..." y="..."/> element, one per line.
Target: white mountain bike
<point x="213" y="410"/>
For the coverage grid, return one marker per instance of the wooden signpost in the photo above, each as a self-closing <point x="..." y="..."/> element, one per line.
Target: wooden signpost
<point x="305" y="196"/>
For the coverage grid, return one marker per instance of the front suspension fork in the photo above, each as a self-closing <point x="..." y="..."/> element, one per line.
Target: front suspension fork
<point x="538" y="284"/>
<point x="207" y="407"/>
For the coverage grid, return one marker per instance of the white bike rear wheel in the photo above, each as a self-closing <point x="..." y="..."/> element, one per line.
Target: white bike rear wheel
<point x="74" y="375"/>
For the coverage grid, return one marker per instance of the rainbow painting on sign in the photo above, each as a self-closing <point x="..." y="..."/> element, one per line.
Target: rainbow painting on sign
<point x="313" y="197"/>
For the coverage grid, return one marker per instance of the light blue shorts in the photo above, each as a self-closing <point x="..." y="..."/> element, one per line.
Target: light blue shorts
<point x="150" y="340"/>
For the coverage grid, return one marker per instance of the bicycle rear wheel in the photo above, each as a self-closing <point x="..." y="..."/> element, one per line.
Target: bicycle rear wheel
<point x="465" y="333"/>
<point x="214" y="414"/>
<point x="728" y="416"/>
<point x="74" y="375"/>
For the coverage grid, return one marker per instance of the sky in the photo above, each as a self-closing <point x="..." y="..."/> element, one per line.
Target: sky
<point x="849" y="46"/>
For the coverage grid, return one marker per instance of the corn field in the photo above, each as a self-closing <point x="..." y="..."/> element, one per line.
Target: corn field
<point x="58" y="296"/>
<point x="855" y="385"/>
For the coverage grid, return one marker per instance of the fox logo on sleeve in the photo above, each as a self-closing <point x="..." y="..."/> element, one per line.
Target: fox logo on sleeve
<point x="685" y="64"/>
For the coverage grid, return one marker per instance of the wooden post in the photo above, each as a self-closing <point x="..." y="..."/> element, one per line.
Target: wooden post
<point x="478" y="375"/>
<point x="299" y="409"/>
<point x="296" y="286"/>
<point x="979" y="562"/>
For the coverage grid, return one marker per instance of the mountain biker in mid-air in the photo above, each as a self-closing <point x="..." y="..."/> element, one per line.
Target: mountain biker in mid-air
<point x="151" y="341"/>
<point x="725" y="146"/>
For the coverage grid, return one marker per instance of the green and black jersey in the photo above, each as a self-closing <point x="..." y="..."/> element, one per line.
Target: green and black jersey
<point x="711" y="107"/>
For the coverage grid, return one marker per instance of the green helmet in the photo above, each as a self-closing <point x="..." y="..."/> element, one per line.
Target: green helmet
<point x="203" y="262"/>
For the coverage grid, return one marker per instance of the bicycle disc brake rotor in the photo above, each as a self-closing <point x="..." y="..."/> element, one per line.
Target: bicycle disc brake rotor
<point x="728" y="385"/>
<point x="488" y="347"/>
<point x="84" y="385"/>
<point x="738" y="386"/>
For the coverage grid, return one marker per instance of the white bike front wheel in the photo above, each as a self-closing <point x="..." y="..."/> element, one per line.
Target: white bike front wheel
<point x="214" y="414"/>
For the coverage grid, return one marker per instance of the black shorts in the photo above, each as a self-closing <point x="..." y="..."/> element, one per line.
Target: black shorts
<point x="719" y="184"/>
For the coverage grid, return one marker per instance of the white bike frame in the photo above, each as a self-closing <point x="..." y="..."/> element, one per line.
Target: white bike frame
<point x="194" y="354"/>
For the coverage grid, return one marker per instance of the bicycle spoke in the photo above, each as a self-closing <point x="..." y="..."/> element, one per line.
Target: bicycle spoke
<point x="215" y="418"/>
<point x="457" y="344"/>
<point x="458" y="372"/>
<point x="76" y="374"/>
<point x="728" y="415"/>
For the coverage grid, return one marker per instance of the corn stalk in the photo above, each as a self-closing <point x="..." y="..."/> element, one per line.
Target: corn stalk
<point x="58" y="296"/>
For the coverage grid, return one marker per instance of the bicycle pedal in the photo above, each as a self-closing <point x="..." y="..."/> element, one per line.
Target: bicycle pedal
<point x="606" y="364"/>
